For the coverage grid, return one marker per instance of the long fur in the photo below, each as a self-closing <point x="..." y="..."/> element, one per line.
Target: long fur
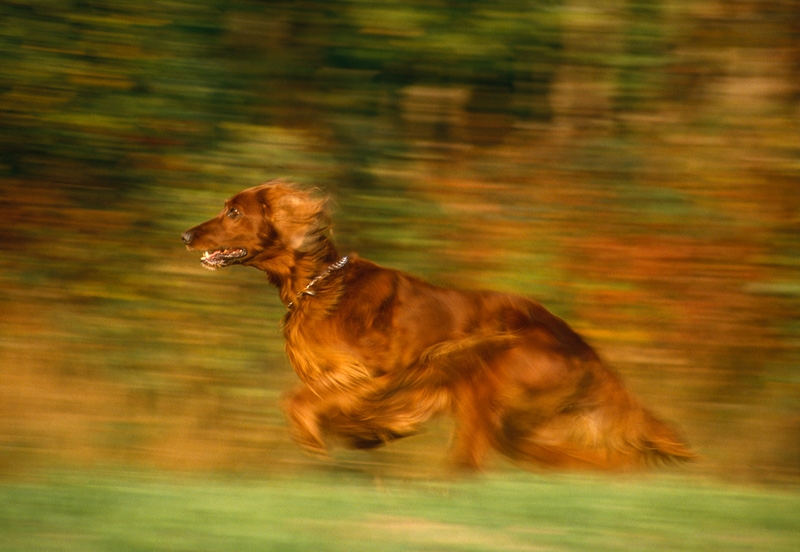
<point x="380" y="352"/>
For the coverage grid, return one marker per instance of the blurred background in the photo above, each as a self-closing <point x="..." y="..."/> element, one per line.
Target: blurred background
<point x="632" y="164"/>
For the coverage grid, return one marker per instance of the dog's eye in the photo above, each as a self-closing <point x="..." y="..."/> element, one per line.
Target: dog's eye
<point x="234" y="213"/>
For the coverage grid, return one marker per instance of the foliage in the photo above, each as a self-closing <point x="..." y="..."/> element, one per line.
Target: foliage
<point x="634" y="165"/>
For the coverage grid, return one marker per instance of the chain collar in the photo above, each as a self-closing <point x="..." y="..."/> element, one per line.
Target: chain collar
<point x="308" y="290"/>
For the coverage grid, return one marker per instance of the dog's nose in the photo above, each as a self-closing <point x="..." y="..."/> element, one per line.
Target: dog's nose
<point x="187" y="237"/>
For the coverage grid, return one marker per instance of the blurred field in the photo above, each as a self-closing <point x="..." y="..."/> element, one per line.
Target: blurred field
<point x="633" y="165"/>
<point x="346" y="512"/>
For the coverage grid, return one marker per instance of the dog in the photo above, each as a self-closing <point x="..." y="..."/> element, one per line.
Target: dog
<point x="380" y="352"/>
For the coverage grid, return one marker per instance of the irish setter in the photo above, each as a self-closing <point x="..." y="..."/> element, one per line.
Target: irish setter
<point x="380" y="352"/>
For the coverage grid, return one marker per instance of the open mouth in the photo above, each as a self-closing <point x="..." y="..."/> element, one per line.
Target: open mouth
<point x="218" y="258"/>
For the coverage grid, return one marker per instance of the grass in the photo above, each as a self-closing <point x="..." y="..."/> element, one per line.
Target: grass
<point x="345" y="511"/>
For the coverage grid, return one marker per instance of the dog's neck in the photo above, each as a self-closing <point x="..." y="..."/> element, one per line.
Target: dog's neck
<point x="308" y="274"/>
<point x="310" y="287"/>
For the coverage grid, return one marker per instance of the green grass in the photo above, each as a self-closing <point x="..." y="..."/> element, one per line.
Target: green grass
<point x="344" y="511"/>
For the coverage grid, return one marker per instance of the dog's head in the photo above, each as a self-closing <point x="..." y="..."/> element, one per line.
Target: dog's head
<point x="260" y="226"/>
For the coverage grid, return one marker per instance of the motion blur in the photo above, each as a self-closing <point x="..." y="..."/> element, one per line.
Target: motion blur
<point x="632" y="165"/>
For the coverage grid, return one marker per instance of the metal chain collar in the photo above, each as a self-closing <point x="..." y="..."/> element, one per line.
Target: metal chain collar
<point x="333" y="267"/>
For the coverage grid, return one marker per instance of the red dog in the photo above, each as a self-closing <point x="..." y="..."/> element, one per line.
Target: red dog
<point x="380" y="352"/>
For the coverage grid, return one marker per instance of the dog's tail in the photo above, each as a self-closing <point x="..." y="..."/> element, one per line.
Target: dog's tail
<point x="660" y="443"/>
<point x="608" y="439"/>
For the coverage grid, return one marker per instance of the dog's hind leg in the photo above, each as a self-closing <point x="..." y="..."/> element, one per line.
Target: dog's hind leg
<point x="583" y="419"/>
<point x="473" y="436"/>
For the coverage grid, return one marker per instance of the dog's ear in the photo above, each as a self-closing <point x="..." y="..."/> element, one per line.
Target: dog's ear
<point x="300" y="219"/>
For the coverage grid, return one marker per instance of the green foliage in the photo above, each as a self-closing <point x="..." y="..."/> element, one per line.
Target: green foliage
<point x="633" y="165"/>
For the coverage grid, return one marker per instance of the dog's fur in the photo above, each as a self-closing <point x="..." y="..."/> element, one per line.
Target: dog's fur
<point x="380" y="352"/>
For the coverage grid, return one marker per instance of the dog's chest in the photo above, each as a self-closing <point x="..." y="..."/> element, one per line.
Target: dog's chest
<point x="319" y="355"/>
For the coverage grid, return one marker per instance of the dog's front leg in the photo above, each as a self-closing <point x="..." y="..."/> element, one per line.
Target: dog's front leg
<point x="302" y="410"/>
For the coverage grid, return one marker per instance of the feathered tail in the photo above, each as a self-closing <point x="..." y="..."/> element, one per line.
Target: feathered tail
<point x="598" y="439"/>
